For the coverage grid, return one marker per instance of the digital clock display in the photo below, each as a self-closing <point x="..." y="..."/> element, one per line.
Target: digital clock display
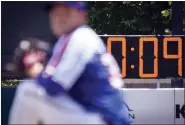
<point x="147" y="56"/>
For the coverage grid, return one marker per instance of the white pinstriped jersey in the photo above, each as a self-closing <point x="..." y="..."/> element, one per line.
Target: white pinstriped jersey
<point x="81" y="66"/>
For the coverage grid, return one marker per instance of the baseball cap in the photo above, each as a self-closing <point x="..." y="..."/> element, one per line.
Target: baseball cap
<point x="80" y="5"/>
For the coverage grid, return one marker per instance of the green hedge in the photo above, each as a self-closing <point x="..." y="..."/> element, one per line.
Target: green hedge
<point x="10" y="82"/>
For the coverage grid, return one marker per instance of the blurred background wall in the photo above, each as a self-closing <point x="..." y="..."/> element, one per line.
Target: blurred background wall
<point x="20" y="20"/>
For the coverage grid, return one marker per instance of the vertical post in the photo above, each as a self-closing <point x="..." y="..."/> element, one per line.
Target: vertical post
<point x="158" y="83"/>
<point x="177" y="17"/>
<point x="177" y="27"/>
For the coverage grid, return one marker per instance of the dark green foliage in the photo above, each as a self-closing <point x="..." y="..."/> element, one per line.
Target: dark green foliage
<point x="127" y="18"/>
<point x="9" y="83"/>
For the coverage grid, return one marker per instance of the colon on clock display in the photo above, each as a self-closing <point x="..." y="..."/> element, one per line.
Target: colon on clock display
<point x="147" y="56"/>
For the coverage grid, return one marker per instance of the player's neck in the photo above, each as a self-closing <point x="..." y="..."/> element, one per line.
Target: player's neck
<point x="74" y="28"/>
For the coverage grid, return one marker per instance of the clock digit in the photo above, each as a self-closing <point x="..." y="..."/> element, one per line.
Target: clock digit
<point x="141" y="64"/>
<point x="173" y="56"/>
<point x="109" y="47"/>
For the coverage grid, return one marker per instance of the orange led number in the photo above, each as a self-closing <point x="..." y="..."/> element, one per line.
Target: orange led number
<point x="109" y="47"/>
<point x="141" y="42"/>
<point x="172" y="56"/>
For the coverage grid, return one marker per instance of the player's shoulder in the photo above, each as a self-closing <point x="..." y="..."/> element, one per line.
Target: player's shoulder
<point x="86" y="37"/>
<point x="29" y="87"/>
<point x="26" y="84"/>
<point x="85" y="31"/>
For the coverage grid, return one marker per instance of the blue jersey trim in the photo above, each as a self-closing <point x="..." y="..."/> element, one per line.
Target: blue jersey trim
<point x="52" y="88"/>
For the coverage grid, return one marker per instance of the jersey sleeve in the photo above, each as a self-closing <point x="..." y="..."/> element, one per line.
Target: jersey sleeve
<point x="69" y="60"/>
<point x="71" y="66"/>
<point x="72" y="61"/>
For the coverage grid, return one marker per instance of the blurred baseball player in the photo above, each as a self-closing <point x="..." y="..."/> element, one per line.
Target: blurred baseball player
<point x="31" y="105"/>
<point x="30" y="57"/>
<point x="80" y="65"/>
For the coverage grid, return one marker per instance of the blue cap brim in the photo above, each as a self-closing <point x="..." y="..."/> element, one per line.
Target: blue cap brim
<point x="80" y="5"/>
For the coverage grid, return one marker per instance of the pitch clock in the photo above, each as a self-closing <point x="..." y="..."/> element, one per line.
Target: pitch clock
<point x="147" y="56"/>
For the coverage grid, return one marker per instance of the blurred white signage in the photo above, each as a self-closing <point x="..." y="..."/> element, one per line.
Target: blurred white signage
<point x="156" y="106"/>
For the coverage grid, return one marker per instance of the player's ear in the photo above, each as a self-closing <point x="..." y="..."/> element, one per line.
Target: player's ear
<point x="85" y="14"/>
